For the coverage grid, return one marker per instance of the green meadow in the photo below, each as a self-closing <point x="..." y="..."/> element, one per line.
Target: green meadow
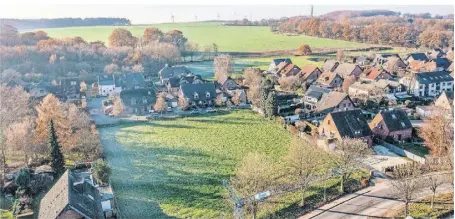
<point x="228" y="38"/>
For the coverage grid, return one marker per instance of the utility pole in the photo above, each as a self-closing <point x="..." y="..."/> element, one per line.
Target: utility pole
<point x="172" y="17"/>
<point x="218" y="16"/>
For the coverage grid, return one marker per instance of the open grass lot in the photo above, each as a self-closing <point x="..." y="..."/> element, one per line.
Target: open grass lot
<point x="174" y="168"/>
<point x="228" y="38"/>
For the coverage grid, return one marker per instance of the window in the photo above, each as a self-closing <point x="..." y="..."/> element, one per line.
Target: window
<point x="133" y="101"/>
<point x="443" y="84"/>
<point x="449" y="83"/>
<point x="207" y="94"/>
<point x="196" y="95"/>
<point x="394" y="116"/>
<point x="144" y="100"/>
<point x="402" y="124"/>
<point x="73" y="83"/>
<point x="421" y="87"/>
<point x="328" y="122"/>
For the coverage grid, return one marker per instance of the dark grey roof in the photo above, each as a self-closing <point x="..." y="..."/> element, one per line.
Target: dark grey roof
<point x="74" y="192"/>
<point x="316" y="92"/>
<point x="201" y="89"/>
<point x="351" y="123"/>
<point x="190" y="78"/>
<point x="396" y="120"/>
<point x="433" y="77"/>
<point x="278" y="61"/>
<point x="131" y="81"/>
<point x="106" y="80"/>
<point x="442" y="62"/>
<point x="418" y="56"/>
<point x="173" y="71"/>
<point x="139" y="95"/>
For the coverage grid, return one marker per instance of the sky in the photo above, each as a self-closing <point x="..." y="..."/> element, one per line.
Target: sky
<point x="147" y="14"/>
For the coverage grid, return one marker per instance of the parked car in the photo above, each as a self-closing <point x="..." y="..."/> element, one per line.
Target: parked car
<point x="169" y="109"/>
<point x="211" y="110"/>
<point x="194" y="112"/>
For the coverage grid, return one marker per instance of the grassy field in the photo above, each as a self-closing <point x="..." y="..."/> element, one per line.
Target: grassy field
<point x="174" y="168"/>
<point x="228" y="38"/>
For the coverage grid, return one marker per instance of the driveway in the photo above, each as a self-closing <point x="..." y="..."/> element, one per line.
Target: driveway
<point x="372" y="202"/>
<point x="96" y="112"/>
<point x="383" y="158"/>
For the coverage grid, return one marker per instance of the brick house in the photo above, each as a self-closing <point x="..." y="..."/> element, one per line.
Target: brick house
<point x="346" y="124"/>
<point x="392" y="125"/>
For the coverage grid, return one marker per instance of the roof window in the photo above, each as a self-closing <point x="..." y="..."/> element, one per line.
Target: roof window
<point x="394" y="116"/>
<point x="402" y="124"/>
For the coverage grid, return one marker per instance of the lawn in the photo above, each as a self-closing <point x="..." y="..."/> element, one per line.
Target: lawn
<point x="228" y="38"/>
<point x="206" y="68"/>
<point x="174" y="168"/>
<point x="421" y="209"/>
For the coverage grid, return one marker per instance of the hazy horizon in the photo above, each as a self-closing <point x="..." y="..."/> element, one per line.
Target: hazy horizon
<point x="148" y="14"/>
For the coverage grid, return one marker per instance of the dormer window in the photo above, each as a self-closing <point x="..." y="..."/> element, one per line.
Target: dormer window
<point x="196" y="95"/>
<point x="402" y="124"/>
<point x="394" y="116"/>
<point x="133" y="101"/>
<point x="73" y="83"/>
<point x="207" y="94"/>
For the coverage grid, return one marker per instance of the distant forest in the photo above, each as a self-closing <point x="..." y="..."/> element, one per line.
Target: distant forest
<point x="27" y="24"/>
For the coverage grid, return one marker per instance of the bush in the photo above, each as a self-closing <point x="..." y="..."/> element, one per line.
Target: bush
<point x="23" y="178"/>
<point x="101" y="171"/>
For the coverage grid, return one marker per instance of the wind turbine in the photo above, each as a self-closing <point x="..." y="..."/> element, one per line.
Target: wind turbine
<point x="173" y="18"/>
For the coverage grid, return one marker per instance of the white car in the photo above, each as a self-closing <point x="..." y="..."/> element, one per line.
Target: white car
<point x="211" y="110"/>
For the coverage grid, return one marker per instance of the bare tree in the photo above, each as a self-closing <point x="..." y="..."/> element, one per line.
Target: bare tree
<point x="160" y="105"/>
<point x="350" y="151"/>
<point x="407" y="182"/>
<point x="182" y="102"/>
<point x="223" y="66"/>
<point x="13" y="107"/>
<point x="118" y="107"/>
<point x="437" y="132"/>
<point x="301" y="164"/>
<point x="340" y="55"/>
<point x="19" y="136"/>
<point x="435" y="181"/>
<point x="191" y="48"/>
<point x="255" y="174"/>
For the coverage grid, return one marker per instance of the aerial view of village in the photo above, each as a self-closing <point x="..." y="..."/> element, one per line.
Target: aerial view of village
<point x="273" y="111"/>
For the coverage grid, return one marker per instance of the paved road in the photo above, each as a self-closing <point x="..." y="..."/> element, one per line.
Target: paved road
<point x="371" y="202"/>
<point x="96" y="112"/>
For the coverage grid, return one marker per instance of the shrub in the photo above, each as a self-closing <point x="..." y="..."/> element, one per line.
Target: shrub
<point x="101" y="171"/>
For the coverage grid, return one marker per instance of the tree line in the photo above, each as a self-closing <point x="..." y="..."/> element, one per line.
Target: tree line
<point x="386" y="30"/>
<point x="24" y="24"/>
<point x="35" y="56"/>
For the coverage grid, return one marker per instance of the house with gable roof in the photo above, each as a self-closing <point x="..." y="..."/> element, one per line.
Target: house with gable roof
<point x="72" y="196"/>
<point x="346" y="124"/>
<point x="392" y="125"/>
